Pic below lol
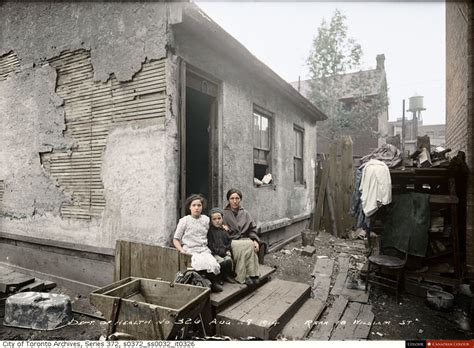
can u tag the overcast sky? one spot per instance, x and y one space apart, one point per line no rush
410 34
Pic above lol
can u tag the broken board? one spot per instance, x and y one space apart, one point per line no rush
264 312
300 325
322 278
355 323
324 329
341 276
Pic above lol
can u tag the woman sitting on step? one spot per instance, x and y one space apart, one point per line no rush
245 242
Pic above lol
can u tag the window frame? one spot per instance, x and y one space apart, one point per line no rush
259 150
298 157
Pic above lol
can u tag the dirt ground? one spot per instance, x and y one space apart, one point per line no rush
408 319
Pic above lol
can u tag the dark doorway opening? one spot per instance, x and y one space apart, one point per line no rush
199 108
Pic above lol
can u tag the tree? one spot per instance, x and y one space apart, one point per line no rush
346 98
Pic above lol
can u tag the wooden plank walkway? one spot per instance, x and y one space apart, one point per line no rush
322 279
324 330
355 323
340 283
264 312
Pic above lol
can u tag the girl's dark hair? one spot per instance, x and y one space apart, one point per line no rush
232 191
192 198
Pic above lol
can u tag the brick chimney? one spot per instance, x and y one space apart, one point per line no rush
380 62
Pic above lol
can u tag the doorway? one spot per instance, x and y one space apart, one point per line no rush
199 135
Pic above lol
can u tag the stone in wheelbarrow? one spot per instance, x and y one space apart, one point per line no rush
38 310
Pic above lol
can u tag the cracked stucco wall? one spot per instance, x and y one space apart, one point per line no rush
32 122
140 195
120 37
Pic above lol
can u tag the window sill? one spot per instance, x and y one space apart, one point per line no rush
301 186
267 186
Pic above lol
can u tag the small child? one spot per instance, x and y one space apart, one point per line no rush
219 242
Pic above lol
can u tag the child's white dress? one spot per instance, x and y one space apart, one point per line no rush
192 233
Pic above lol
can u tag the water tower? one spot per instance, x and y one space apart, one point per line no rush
415 105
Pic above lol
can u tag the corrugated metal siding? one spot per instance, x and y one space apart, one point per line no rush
92 109
8 64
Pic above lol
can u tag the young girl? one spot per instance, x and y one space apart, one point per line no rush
219 242
191 237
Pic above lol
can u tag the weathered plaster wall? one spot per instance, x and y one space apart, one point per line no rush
32 121
242 89
138 192
139 172
120 35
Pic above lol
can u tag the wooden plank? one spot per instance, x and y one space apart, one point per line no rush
323 332
355 295
13 279
318 210
322 279
37 285
341 276
257 315
339 192
347 170
233 291
300 325
122 260
355 323
444 199
331 187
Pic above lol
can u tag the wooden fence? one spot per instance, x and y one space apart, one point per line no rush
334 183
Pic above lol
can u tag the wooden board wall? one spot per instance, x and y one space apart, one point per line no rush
92 109
8 64
148 261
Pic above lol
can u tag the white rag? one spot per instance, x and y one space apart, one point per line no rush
375 186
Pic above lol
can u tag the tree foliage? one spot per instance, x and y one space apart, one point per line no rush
344 96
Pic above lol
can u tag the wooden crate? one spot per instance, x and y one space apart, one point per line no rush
148 309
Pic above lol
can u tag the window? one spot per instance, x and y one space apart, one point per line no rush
261 143
298 155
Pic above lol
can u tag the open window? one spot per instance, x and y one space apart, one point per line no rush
262 143
298 135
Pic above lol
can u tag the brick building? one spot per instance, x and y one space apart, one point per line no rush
459 109
376 84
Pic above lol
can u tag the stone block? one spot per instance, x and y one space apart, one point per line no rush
308 251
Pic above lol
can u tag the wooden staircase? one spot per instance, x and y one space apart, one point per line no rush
276 307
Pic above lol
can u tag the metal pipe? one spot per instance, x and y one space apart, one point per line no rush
403 129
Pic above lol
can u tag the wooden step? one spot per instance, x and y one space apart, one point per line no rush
302 322
263 313
234 292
